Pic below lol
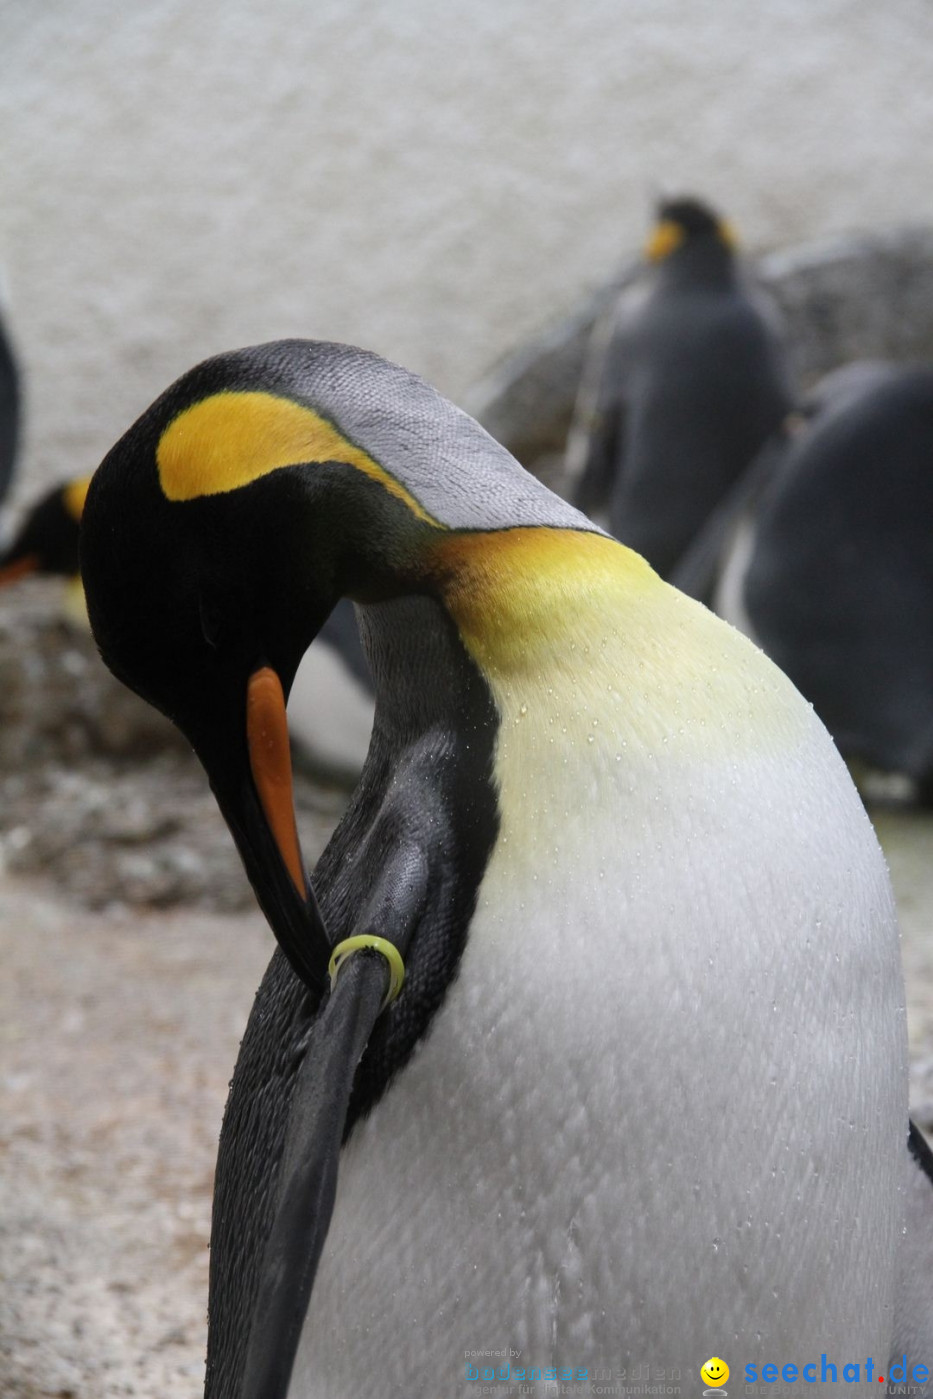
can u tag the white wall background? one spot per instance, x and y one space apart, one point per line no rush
434 181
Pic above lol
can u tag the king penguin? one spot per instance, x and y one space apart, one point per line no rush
832 573
331 704
586 1045
713 567
684 381
47 539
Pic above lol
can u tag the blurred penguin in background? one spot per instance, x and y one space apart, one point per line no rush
684 382
46 540
9 411
713 568
832 571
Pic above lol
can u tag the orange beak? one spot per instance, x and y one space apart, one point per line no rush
271 766
20 568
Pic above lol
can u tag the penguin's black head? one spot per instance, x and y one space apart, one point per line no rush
218 535
189 596
685 221
47 540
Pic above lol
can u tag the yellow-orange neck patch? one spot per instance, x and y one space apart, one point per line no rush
231 439
74 496
519 595
583 647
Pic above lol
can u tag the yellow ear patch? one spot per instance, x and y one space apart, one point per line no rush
74 496
665 239
231 439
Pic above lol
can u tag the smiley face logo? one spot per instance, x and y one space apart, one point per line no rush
715 1372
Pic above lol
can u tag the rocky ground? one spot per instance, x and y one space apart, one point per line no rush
119 1031
131 952
97 791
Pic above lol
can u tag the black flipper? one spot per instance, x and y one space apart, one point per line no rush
602 462
308 1174
698 568
596 439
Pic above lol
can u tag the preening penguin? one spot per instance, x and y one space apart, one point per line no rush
684 382
643 1088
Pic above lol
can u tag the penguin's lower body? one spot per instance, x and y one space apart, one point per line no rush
662 1112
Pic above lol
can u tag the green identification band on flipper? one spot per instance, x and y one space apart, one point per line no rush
346 949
